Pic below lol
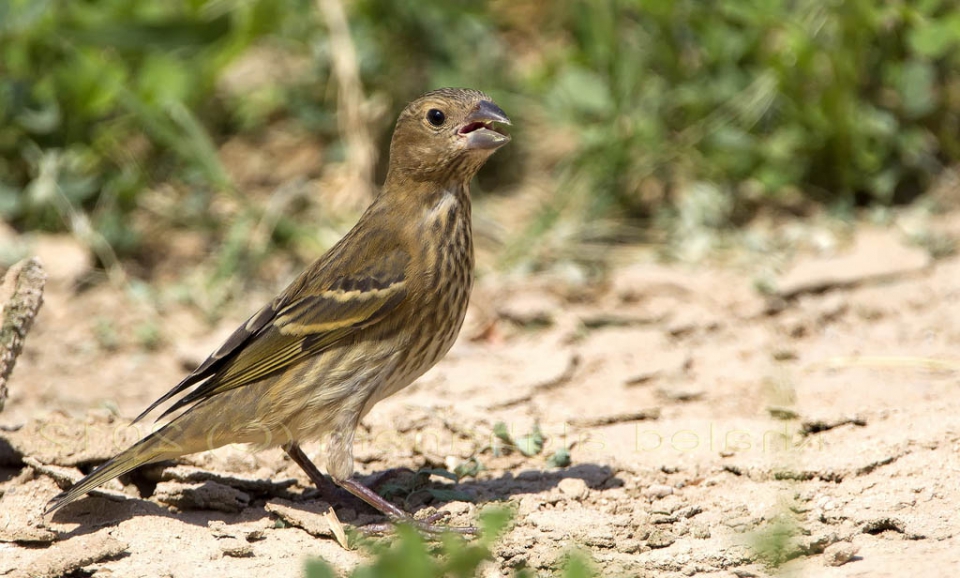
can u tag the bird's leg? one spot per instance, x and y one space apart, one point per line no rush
392 512
327 491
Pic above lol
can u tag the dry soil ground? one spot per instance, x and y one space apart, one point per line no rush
714 430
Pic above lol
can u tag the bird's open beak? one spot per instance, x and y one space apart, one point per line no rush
480 130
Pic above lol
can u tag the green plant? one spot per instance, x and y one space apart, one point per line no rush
845 103
621 107
410 556
97 99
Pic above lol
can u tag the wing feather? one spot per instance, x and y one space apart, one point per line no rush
309 317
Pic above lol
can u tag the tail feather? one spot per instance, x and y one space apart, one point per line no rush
205 426
148 450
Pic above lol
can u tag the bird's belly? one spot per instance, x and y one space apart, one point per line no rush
426 348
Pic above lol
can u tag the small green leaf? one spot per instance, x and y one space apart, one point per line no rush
317 568
439 472
577 566
580 91
501 433
936 37
560 458
10 201
469 467
917 88
463 560
162 79
532 443
493 521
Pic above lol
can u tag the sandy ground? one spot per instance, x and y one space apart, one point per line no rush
713 430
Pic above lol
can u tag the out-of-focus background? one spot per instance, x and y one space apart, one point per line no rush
734 217
257 127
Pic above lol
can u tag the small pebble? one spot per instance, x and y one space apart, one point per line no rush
528 505
658 491
573 487
458 508
235 548
839 553
660 539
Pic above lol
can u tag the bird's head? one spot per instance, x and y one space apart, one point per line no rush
445 136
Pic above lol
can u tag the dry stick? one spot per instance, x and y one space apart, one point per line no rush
361 152
21 295
652 413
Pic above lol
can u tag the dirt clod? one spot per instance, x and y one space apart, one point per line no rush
69 556
839 553
208 495
573 488
307 516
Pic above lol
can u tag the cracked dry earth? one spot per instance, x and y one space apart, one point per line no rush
713 431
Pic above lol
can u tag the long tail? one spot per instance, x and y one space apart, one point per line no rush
162 444
212 423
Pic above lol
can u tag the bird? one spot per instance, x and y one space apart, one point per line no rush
366 319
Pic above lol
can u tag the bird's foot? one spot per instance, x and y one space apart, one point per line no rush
394 514
427 526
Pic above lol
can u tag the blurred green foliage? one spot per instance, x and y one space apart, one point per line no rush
410 556
622 103
842 100
98 98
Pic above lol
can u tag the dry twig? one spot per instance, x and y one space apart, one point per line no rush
21 295
361 151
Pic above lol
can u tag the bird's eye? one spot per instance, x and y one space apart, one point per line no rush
436 116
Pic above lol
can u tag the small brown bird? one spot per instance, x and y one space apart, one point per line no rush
362 322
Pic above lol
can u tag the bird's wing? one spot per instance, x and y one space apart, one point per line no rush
315 312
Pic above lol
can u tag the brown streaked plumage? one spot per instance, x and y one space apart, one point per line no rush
362 322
